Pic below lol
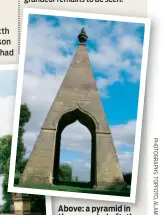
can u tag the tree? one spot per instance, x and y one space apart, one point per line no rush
37 202
22 165
25 115
5 148
127 177
65 172
1 170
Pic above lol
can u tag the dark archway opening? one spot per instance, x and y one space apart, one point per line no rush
87 121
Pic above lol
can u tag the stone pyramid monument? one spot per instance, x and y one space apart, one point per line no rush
77 99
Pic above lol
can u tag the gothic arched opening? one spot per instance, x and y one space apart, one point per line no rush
67 119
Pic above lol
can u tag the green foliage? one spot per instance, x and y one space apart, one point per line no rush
5 149
25 115
17 178
6 207
1 172
22 165
37 203
127 177
65 172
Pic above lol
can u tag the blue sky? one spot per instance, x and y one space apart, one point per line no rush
7 98
7 83
115 52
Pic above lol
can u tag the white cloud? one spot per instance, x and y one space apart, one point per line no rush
81 169
6 114
76 138
39 93
130 43
87 165
110 62
124 134
126 161
45 44
7 82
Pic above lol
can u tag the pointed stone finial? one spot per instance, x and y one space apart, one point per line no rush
82 36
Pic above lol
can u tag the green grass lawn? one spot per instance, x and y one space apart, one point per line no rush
123 192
